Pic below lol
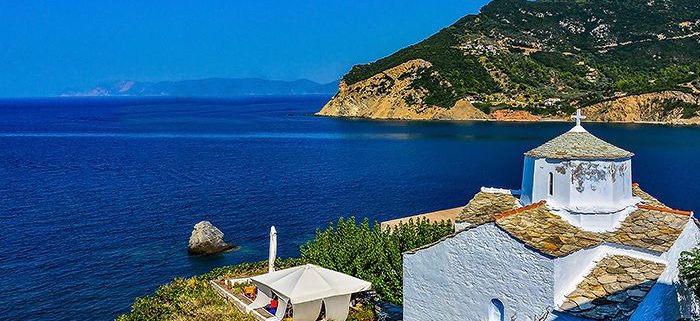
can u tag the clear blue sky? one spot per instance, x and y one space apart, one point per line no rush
49 46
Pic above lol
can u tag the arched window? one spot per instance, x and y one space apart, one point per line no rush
551 184
497 311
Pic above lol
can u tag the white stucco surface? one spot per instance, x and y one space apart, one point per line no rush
527 181
592 195
579 185
498 190
597 222
458 278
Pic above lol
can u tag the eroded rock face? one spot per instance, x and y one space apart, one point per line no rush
391 94
651 107
207 239
513 115
394 94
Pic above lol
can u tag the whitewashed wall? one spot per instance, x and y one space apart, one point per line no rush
607 184
536 182
456 279
661 303
583 186
527 183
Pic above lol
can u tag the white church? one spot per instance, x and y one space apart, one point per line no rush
578 241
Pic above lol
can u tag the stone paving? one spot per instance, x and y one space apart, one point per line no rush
613 289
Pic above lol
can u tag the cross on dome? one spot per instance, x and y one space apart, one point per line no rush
578 116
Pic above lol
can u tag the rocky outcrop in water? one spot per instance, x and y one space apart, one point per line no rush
207 239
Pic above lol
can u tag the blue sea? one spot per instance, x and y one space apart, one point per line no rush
98 196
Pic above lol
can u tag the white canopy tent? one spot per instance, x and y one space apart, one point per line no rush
306 287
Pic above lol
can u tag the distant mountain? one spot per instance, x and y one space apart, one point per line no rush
212 87
540 58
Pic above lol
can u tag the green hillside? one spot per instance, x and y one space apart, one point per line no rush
550 56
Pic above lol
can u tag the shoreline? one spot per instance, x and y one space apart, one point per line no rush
546 120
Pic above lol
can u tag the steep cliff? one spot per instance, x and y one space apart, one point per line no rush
523 60
666 107
392 94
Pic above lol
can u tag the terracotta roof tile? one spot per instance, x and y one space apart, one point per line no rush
664 209
519 210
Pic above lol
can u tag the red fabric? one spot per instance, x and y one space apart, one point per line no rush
273 304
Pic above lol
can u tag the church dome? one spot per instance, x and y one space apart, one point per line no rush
578 144
580 174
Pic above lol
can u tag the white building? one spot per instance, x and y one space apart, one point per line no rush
579 241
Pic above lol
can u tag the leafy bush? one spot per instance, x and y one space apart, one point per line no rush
362 313
689 109
464 73
369 253
488 108
689 264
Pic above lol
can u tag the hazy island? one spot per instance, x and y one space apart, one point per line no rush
210 87
623 61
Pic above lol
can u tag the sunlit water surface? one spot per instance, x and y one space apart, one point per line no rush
98 196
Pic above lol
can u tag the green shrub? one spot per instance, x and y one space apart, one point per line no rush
369 253
363 313
689 109
689 265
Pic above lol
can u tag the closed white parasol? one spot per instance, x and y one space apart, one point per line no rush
273 250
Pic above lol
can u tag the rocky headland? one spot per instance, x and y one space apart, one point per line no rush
392 94
520 60
667 107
